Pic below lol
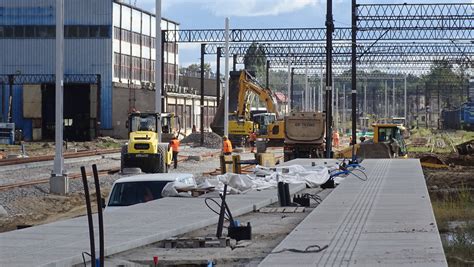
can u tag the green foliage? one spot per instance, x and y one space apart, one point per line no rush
196 68
255 60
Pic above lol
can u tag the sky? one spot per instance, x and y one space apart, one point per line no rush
210 14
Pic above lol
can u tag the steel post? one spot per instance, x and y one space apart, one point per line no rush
218 75
354 74
203 52
329 36
158 64
226 91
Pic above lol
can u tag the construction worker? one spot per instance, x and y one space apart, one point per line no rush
226 146
174 143
335 138
252 139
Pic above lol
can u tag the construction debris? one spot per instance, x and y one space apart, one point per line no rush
211 140
466 148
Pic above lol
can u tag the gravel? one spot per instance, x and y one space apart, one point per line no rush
9 198
211 140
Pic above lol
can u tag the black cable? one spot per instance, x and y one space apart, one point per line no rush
314 197
361 178
308 249
84 259
226 215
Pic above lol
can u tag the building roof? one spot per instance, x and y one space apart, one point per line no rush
281 98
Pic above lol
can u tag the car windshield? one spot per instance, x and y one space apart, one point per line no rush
126 194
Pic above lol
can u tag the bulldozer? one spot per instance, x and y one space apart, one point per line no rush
143 150
388 142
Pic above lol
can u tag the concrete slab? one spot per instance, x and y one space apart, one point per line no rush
61 243
386 220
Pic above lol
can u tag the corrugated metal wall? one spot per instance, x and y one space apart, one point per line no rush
82 56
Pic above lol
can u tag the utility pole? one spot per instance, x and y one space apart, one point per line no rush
354 77
329 32
59 183
203 52
218 75
226 91
158 65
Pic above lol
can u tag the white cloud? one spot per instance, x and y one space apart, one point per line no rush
238 8
253 8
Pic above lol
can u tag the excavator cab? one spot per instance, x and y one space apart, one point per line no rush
393 135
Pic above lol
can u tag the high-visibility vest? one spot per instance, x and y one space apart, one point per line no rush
175 145
227 146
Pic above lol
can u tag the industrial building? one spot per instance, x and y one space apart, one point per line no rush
109 68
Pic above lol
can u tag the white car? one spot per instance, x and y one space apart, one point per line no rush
143 188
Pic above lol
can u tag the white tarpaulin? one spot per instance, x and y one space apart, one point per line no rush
264 178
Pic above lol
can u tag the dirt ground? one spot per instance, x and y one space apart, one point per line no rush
47 209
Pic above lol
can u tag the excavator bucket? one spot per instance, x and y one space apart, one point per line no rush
374 151
433 161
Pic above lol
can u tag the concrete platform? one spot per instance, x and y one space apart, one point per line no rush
384 221
61 243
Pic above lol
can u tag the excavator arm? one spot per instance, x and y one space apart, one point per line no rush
246 85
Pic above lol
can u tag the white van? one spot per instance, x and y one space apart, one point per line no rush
143 188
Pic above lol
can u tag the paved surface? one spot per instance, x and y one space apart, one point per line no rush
384 221
61 243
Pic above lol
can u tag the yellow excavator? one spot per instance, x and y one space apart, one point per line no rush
266 125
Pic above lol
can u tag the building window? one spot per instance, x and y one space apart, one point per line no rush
49 31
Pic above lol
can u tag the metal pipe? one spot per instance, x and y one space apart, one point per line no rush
226 91
203 52
344 107
158 64
292 88
234 63
386 99
321 86
89 215
405 100
58 169
306 90
218 75
393 99
267 74
290 80
99 213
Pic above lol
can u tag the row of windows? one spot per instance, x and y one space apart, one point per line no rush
49 31
140 69
141 39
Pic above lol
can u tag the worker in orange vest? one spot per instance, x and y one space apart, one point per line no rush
335 138
252 139
227 146
174 143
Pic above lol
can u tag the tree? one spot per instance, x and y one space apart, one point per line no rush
195 68
255 60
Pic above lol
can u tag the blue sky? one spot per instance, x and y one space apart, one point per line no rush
205 14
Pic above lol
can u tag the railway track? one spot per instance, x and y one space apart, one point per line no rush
79 154
46 180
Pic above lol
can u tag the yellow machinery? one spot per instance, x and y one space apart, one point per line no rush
143 150
266 125
388 142
170 126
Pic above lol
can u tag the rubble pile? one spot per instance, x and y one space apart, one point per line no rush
211 140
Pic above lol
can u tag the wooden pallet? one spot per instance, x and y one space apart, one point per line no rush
196 242
282 210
